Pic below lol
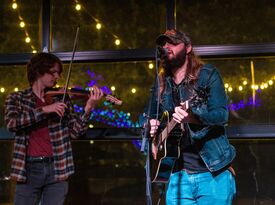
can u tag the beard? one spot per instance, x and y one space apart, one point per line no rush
173 64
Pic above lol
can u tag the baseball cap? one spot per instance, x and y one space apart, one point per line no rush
174 36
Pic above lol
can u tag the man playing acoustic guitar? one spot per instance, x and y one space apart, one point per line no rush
201 173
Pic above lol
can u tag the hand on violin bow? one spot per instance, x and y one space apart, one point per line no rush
58 108
95 95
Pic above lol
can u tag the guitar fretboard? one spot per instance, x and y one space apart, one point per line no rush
170 126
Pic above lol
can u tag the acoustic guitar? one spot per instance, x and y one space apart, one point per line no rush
167 144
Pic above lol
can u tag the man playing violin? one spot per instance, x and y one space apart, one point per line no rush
42 158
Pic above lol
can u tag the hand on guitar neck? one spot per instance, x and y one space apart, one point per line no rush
181 115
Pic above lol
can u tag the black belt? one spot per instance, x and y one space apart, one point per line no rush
39 159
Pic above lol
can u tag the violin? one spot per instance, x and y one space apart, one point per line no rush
76 93
73 92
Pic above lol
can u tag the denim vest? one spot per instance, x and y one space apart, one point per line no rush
210 138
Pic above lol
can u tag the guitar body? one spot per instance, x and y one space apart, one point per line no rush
167 144
168 153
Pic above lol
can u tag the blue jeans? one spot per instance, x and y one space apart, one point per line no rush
200 188
40 186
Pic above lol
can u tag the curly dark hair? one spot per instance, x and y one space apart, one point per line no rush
40 64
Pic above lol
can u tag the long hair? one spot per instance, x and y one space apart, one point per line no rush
40 64
194 64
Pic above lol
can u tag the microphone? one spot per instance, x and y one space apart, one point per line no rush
162 51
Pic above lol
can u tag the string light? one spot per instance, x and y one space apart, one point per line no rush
27 39
117 42
113 88
98 26
151 65
16 89
262 86
14 5
241 104
133 90
2 90
78 7
22 24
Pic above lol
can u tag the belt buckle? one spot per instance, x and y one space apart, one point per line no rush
39 159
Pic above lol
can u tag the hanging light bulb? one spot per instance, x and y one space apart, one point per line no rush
22 24
151 65
262 86
14 5
117 42
133 90
27 39
78 7
113 88
98 26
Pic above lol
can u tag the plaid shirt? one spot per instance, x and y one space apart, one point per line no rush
21 115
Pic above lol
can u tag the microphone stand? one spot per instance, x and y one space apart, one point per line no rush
146 139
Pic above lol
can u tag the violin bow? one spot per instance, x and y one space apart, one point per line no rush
70 66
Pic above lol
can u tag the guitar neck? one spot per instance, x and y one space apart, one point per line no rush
164 134
170 126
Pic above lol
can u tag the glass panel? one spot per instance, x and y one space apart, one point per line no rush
249 105
112 172
19 21
130 77
13 78
134 23
130 81
227 21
